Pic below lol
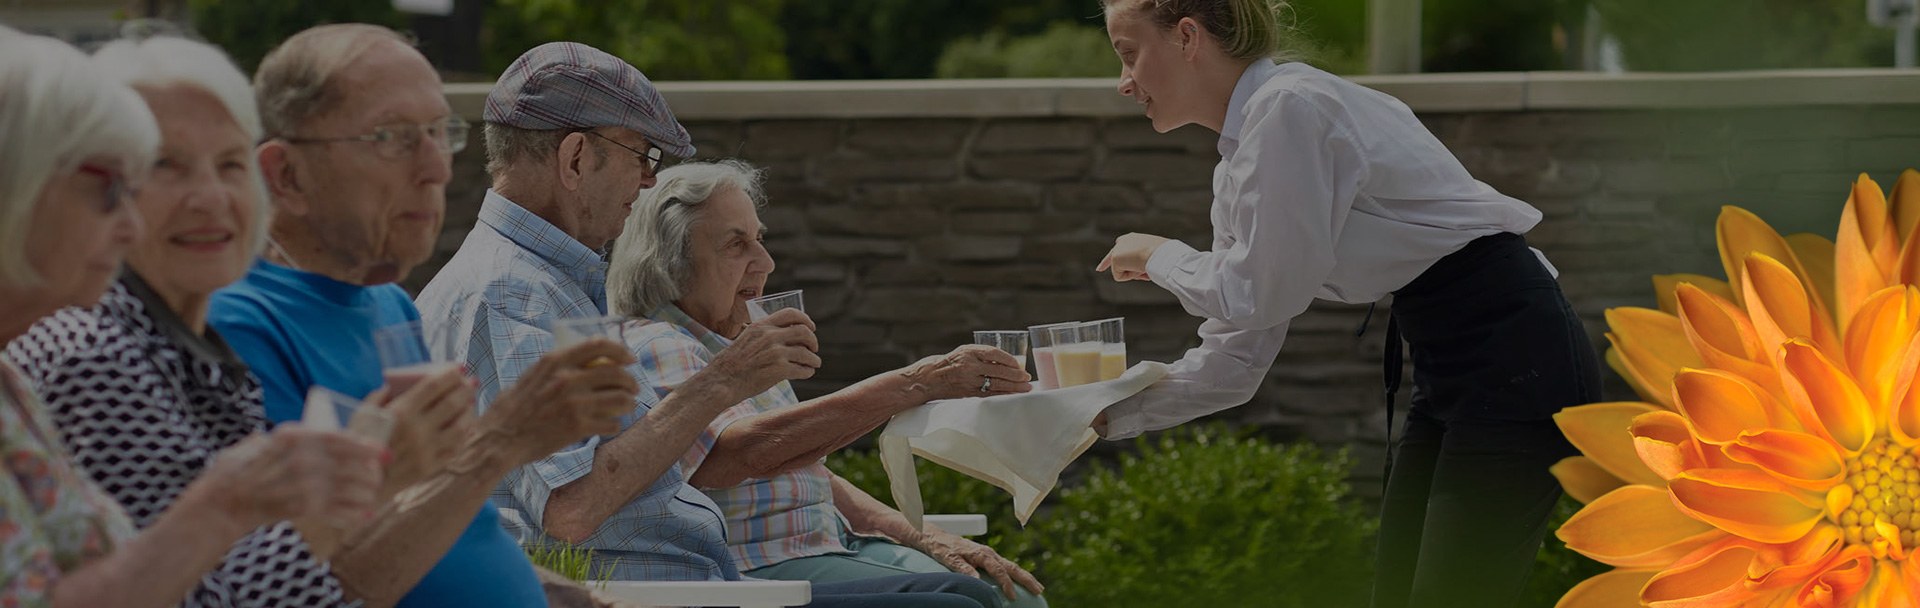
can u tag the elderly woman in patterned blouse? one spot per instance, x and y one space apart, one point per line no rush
71 143
689 259
139 388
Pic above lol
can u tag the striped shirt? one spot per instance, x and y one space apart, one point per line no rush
771 520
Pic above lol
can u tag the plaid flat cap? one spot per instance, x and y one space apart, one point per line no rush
568 85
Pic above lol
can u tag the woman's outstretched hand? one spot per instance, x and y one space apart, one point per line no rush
1128 259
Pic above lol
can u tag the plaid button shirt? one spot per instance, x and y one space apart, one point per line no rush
514 274
771 520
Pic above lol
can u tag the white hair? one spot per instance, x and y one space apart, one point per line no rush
167 61
652 258
57 111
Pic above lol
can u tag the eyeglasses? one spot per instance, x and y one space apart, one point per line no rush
399 141
115 189
649 159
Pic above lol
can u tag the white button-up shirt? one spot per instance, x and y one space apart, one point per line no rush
1324 189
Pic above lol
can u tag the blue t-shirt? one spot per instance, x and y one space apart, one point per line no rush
297 329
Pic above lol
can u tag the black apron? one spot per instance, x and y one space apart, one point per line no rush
1492 338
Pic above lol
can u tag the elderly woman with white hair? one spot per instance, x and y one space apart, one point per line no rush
687 262
72 143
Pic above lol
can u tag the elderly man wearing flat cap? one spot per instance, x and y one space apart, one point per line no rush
573 134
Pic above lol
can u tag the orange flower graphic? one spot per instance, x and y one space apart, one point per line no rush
1775 459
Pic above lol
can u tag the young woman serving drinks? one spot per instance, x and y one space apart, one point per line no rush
1326 189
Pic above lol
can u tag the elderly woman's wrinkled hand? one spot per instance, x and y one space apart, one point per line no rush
432 419
775 349
295 473
562 399
974 559
969 371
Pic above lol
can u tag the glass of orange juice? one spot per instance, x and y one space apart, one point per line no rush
1076 354
1112 334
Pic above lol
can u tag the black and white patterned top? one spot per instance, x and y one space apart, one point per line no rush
142 403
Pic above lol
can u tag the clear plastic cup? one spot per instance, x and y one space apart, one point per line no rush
1076 354
1013 342
405 358
328 410
1112 334
759 308
1041 341
574 330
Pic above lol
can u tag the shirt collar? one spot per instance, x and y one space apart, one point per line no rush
1257 74
207 345
541 238
671 313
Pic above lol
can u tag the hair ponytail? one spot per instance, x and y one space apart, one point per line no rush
1246 29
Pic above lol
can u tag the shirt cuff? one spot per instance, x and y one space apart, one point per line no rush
562 468
1125 420
1160 265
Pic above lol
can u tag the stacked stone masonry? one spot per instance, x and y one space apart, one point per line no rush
909 233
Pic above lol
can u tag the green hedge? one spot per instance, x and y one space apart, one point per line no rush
1196 517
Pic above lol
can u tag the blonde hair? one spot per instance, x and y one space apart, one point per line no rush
163 61
294 82
56 111
652 259
1247 29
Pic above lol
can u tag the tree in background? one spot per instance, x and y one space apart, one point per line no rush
1064 50
247 29
843 39
667 39
1696 35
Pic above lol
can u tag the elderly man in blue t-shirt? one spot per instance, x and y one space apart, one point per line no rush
357 157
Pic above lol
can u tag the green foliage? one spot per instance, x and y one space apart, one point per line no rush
1557 569
1197 517
946 491
905 38
1695 35
1063 50
569 561
667 39
248 29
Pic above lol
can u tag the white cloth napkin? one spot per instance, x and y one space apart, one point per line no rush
1019 443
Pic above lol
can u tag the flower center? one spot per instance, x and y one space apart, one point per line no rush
1883 484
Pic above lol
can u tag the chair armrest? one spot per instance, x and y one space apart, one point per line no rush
743 594
971 524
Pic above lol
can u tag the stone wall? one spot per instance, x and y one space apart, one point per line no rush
907 233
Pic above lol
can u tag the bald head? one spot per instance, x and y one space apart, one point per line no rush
300 79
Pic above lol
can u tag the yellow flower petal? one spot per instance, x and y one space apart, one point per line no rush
1724 338
1653 346
1839 583
1886 589
1801 460
1877 341
1748 504
1715 575
1903 416
1906 203
1828 402
1665 444
1611 589
1664 284
1721 405
1633 377
1866 250
1789 566
1782 309
1740 232
1816 257
1602 431
1635 527
1583 479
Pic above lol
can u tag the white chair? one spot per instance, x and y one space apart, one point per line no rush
751 594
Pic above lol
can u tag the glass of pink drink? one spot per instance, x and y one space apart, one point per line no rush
1046 375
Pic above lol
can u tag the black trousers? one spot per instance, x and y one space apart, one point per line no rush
1496 352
